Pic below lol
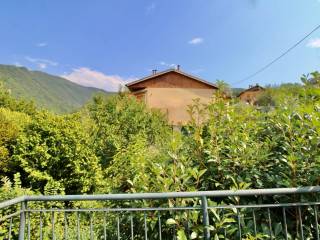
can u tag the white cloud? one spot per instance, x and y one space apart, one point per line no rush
42 44
314 43
17 64
196 41
91 78
198 70
41 63
171 65
150 8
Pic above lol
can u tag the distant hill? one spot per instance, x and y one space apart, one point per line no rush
47 91
237 91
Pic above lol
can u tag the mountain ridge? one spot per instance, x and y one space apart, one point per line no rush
48 91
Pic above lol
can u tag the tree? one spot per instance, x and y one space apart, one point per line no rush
56 150
119 120
311 79
224 88
11 124
7 101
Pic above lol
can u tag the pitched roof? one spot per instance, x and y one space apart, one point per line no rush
168 71
252 88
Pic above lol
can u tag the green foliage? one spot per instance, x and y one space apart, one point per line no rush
11 123
6 101
119 120
263 149
312 79
8 132
266 99
9 189
56 151
118 145
224 87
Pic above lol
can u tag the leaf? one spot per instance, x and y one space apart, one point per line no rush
130 182
202 172
194 172
181 235
214 211
229 220
171 221
278 229
194 235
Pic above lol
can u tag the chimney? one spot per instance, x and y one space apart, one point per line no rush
178 67
154 71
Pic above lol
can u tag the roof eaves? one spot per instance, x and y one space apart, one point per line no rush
246 90
148 77
196 78
171 70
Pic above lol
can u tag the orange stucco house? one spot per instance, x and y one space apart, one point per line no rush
251 94
172 91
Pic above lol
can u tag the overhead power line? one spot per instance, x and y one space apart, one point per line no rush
281 56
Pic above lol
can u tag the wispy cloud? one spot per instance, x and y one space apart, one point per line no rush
41 63
171 65
42 44
150 8
17 64
314 43
196 41
91 78
196 71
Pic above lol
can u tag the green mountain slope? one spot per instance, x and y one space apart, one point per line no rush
237 91
47 91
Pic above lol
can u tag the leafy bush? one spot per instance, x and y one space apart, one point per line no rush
119 145
119 120
57 150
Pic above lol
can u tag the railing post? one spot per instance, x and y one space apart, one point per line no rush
22 220
205 216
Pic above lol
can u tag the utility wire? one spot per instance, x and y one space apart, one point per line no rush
281 56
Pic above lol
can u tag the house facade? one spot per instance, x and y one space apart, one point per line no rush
171 92
251 94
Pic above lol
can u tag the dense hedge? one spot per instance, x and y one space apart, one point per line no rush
117 145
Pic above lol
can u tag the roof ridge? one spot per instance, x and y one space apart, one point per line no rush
171 70
250 88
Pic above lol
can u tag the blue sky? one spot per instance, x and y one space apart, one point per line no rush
103 43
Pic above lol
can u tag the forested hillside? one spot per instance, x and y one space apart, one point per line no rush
116 145
47 91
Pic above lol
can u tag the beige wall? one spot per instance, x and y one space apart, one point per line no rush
250 96
174 101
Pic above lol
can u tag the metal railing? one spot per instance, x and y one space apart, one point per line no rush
283 213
